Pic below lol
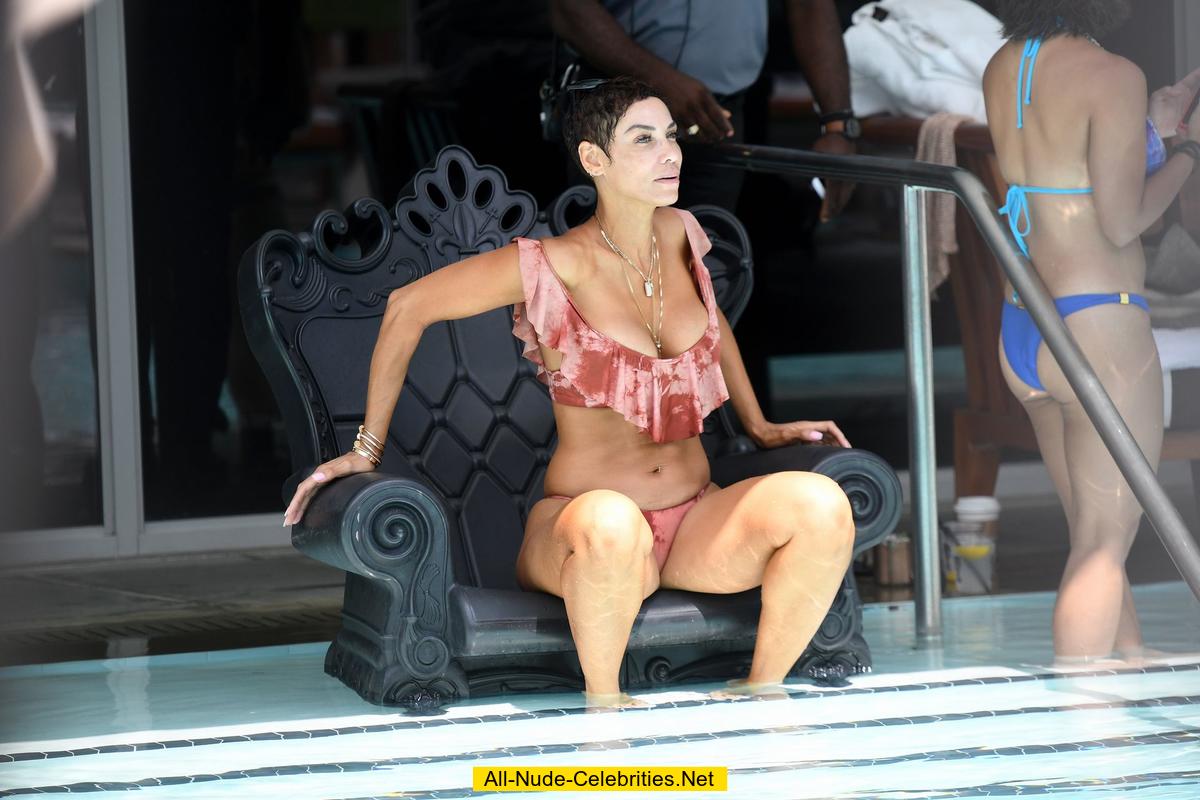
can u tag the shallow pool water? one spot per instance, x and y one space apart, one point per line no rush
980 716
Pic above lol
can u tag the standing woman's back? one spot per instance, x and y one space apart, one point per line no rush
1061 135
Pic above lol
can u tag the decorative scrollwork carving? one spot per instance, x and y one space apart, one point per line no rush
569 207
363 238
524 678
443 214
406 270
658 670
422 657
422 699
832 669
326 444
863 494
288 274
429 591
730 261
840 623
399 528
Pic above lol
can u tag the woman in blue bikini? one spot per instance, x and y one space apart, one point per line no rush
1089 173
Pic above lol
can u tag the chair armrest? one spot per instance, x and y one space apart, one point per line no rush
868 481
372 523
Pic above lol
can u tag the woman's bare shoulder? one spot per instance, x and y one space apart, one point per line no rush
1099 74
669 223
567 253
997 66
1112 87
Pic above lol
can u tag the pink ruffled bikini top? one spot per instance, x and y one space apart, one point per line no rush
666 398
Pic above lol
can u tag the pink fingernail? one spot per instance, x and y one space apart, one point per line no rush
319 476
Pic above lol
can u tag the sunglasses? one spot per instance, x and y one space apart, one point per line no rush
583 86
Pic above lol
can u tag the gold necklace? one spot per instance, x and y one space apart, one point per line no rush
648 284
647 280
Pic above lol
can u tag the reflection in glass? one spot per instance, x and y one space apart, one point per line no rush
49 440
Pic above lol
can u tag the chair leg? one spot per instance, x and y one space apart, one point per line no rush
838 649
976 466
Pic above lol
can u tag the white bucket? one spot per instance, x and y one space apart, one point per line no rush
981 509
971 556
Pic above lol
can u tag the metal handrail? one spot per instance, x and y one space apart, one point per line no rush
917 177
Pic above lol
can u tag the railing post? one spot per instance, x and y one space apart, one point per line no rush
918 343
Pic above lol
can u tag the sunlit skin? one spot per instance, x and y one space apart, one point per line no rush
1086 127
790 532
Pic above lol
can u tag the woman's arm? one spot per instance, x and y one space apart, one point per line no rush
741 394
471 286
1127 202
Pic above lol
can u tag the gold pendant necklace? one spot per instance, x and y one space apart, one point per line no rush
647 284
647 279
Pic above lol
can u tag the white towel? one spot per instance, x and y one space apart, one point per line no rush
922 57
1177 349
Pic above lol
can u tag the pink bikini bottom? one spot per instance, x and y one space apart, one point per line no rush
664 523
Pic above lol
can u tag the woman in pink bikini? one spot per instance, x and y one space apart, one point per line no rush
620 317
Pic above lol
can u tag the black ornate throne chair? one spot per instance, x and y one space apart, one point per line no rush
432 612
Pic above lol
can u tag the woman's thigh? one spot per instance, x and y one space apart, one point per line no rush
539 561
725 540
1046 415
1118 344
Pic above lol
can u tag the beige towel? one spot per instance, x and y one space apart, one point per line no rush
935 144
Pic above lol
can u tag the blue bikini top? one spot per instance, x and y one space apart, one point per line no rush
1016 206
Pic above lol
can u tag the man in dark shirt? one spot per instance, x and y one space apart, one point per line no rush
702 55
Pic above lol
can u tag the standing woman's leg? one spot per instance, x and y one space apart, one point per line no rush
1094 612
1049 428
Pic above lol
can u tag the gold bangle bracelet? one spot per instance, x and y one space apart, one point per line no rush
365 454
370 438
372 446
369 442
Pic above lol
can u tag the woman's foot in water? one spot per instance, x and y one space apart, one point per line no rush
741 688
1109 661
611 701
1142 656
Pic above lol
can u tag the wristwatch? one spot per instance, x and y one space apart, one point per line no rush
843 123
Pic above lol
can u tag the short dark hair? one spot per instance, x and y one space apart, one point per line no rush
591 114
1029 19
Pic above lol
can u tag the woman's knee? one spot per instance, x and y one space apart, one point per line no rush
1101 546
605 522
1107 527
806 502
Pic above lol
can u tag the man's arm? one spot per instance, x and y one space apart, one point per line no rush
601 40
821 53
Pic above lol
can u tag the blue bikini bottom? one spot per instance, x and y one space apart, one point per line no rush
1021 338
